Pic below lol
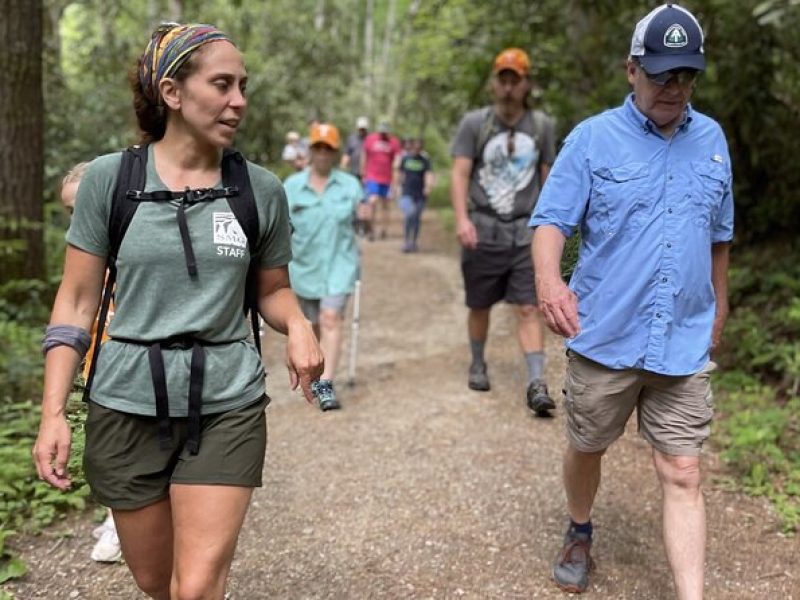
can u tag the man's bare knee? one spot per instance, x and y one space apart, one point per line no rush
584 457
678 471
527 312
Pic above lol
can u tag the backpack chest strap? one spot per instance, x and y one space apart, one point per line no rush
188 197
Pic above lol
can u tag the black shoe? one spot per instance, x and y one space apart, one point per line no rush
478 378
539 401
574 562
326 397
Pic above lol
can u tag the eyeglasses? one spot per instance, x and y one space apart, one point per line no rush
683 77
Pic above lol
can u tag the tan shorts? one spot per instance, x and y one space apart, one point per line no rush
674 413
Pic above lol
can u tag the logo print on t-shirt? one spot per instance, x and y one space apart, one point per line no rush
502 176
227 230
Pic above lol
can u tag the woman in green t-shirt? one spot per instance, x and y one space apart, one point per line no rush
178 474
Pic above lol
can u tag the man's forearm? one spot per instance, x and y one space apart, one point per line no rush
547 247
458 192
720 259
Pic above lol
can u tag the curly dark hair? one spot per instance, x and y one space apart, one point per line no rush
152 117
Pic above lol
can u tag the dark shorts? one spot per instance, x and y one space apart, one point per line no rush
126 469
492 275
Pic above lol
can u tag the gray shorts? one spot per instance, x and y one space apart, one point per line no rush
312 306
673 413
495 274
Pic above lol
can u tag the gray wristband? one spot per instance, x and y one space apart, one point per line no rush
66 335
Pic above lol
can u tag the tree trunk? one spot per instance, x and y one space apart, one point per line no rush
384 71
176 10
369 74
21 147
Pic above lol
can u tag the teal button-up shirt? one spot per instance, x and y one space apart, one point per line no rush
325 253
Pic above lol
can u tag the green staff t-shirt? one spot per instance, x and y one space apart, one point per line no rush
156 298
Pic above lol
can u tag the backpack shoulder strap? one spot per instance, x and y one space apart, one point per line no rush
485 132
540 122
243 203
243 206
132 175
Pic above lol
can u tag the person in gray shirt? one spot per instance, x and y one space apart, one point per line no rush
501 156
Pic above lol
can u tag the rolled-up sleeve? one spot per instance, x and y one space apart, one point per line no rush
566 192
723 221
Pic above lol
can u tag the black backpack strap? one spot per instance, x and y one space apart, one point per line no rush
132 175
243 205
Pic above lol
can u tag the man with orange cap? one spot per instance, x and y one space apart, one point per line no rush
501 156
325 256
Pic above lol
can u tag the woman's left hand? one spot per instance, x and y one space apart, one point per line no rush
304 357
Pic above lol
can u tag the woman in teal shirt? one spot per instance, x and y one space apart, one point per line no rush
325 263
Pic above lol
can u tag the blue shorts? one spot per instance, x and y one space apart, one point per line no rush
373 188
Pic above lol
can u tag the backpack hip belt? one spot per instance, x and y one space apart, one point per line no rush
158 374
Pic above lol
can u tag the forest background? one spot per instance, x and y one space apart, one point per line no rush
421 64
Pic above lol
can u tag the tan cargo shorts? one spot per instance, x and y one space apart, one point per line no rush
673 412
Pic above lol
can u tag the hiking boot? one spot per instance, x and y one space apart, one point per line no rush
478 378
539 401
326 397
573 563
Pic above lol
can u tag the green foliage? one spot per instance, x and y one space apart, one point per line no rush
21 363
760 439
762 334
25 501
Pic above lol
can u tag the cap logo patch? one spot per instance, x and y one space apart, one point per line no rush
675 37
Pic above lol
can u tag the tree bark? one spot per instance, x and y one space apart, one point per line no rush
21 145
369 72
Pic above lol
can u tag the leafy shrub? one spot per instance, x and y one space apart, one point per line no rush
760 441
21 362
764 325
25 501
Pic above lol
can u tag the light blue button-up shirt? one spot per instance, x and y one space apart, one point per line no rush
325 256
648 208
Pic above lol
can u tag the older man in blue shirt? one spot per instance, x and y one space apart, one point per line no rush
648 185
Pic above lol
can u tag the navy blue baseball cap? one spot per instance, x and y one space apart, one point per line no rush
668 38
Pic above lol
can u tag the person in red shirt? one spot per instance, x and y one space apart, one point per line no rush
381 155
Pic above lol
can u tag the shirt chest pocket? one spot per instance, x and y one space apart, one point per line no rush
619 196
709 185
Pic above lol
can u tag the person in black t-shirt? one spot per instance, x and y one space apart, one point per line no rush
416 177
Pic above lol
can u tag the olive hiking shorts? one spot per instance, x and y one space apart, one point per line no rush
126 468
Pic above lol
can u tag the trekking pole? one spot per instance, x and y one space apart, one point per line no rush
351 363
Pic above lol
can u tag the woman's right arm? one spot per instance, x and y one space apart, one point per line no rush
76 304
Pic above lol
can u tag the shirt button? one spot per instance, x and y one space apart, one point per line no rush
670 177
664 280
669 245
669 210
658 315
